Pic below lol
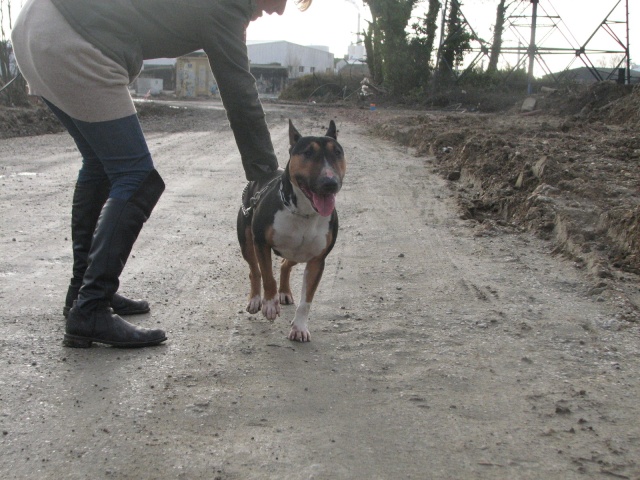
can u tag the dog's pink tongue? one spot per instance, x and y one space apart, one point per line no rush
324 203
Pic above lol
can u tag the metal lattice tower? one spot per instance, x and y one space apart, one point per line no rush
526 19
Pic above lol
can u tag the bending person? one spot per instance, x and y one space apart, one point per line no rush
80 56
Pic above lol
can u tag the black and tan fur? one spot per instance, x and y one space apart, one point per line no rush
295 217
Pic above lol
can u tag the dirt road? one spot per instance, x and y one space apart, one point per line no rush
435 353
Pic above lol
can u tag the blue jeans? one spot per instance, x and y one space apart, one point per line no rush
115 149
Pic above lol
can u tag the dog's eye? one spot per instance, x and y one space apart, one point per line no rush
308 153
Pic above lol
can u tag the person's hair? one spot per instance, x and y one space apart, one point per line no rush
303 4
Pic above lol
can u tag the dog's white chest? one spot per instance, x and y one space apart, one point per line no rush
300 239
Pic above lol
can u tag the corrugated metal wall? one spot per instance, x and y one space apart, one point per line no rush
194 77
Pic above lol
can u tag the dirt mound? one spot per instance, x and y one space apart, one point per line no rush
39 120
572 179
607 102
622 110
21 122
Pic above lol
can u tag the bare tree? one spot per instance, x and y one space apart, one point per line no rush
610 61
14 94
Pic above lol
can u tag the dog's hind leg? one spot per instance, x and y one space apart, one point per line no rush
286 297
310 281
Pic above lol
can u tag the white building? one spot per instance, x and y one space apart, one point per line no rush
357 52
271 63
356 62
297 59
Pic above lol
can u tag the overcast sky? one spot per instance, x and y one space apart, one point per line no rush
334 23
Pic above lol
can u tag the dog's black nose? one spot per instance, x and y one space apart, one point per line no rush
329 184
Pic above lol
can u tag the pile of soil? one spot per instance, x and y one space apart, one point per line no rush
602 101
568 171
22 122
37 119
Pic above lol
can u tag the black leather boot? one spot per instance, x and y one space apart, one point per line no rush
92 319
120 305
103 326
88 200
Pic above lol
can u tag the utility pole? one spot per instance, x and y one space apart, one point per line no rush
532 46
628 47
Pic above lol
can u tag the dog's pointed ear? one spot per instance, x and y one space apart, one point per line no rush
332 132
294 135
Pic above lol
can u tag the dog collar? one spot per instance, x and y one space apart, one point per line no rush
287 204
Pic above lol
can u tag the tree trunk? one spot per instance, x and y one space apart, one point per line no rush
496 46
431 25
368 46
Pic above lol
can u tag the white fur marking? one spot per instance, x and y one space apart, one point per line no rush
297 238
299 329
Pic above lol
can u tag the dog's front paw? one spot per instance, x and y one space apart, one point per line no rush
271 308
286 298
299 333
254 304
